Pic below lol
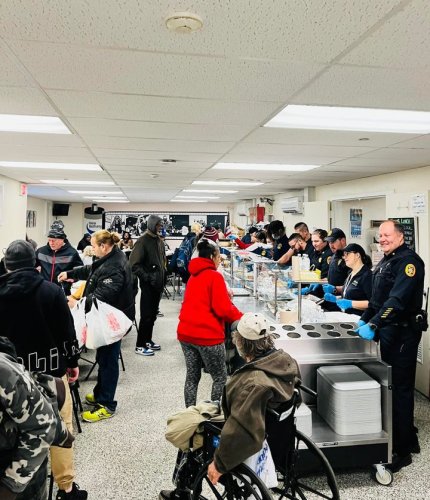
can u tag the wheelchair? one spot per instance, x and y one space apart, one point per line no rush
303 471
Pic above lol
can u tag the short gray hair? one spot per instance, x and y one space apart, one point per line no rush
252 348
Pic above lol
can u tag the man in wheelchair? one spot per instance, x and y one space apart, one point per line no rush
267 380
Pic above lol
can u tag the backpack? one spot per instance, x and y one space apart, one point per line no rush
184 254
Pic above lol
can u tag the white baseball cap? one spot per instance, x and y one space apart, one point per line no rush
253 326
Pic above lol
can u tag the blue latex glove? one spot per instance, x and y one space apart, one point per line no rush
365 332
361 323
232 237
329 288
290 283
306 290
314 287
329 297
344 304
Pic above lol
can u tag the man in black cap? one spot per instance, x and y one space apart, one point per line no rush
57 256
337 270
37 320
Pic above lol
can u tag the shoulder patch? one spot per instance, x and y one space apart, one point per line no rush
328 259
410 270
279 246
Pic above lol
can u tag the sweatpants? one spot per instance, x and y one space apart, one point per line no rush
213 359
149 303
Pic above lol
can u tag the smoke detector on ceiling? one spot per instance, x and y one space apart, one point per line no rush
184 22
154 176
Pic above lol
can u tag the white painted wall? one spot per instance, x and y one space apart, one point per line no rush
42 209
13 213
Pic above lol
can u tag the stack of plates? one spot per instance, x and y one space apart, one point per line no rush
349 400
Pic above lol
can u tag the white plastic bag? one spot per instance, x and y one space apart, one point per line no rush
262 464
105 325
78 314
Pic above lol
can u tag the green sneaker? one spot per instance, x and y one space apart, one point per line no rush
90 399
99 413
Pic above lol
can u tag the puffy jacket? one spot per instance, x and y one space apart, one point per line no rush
110 280
206 305
267 381
37 320
53 263
148 261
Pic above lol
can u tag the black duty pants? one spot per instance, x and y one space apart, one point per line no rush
399 348
149 301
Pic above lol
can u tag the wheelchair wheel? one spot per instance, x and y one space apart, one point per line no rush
310 475
239 484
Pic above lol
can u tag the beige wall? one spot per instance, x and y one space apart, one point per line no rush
12 213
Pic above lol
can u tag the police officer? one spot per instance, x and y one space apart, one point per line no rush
302 229
395 318
322 256
276 233
337 270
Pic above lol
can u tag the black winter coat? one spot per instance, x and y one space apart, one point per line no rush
110 280
35 317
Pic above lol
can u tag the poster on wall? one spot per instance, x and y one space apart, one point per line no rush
176 224
31 218
355 222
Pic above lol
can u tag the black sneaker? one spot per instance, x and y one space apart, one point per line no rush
160 314
153 346
75 494
173 495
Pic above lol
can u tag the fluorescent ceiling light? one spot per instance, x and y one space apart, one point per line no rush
226 183
95 192
52 166
223 191
78 183
189 201
275 167
352 119
32 124
197 197
107 197
111 201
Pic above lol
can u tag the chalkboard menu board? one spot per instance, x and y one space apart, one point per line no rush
409 225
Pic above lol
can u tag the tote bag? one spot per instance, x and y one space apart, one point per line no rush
105 324
78 315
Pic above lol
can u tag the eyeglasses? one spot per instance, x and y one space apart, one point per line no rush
345 254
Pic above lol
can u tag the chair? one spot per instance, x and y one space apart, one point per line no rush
76 402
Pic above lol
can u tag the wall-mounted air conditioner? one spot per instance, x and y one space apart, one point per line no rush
292 205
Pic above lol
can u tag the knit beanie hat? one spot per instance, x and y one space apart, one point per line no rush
19 254
152 221
210 233
57 230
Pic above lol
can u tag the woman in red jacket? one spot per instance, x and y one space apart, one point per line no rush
206 307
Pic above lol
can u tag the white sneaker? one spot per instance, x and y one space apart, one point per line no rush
144 351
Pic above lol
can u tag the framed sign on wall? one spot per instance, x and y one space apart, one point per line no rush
176 224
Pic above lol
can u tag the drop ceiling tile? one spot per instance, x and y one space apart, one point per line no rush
160 109
155 155
286 150
404 31
417 142
117 163
98 141
305 158
10 72
369 87
268 135
231 27
122 128
24 101
402 154
61 66
49 140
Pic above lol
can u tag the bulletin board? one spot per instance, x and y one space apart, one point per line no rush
176 224
410 227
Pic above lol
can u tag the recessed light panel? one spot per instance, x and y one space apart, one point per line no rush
274 167
197 197
32 124
352 119
226 183
95 192
221 191
51 166
61 182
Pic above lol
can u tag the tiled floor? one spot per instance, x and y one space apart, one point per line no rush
127 456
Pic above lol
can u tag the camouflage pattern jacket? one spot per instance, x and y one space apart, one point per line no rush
28 424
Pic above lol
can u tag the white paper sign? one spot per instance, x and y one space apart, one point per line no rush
418 204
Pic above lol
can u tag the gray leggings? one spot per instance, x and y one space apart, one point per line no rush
213 359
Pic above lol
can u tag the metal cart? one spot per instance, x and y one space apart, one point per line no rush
314 345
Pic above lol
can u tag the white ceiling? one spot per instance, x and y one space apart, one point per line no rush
134 93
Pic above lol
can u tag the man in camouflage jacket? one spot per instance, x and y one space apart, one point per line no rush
28 426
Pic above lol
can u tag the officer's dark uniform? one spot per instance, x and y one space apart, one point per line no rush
321 260
309 248
337 269
395 306
280 247
359 287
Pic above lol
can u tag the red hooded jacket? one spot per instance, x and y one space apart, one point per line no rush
206 305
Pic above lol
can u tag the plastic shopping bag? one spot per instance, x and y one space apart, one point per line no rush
105 325
78 314
262 464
